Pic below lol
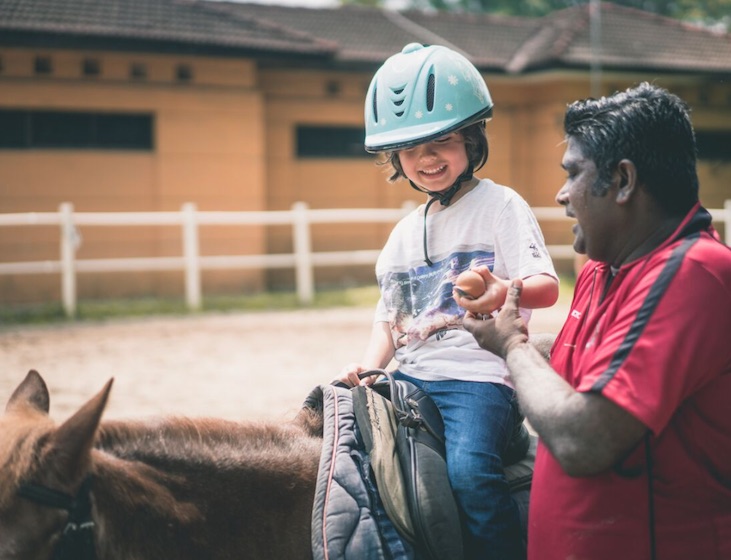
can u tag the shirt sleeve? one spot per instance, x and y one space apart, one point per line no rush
649 365
520 249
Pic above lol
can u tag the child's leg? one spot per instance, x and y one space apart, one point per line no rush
479 420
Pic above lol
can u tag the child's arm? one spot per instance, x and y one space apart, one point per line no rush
540 290
378 355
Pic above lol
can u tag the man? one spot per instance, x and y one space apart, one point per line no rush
634 410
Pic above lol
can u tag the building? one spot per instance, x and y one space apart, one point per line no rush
142 105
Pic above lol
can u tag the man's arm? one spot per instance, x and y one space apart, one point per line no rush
585 432
543 342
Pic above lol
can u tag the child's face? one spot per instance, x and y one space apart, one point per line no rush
436 165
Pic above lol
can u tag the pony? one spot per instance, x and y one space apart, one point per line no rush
182 488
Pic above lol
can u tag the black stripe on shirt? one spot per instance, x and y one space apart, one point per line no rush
646 310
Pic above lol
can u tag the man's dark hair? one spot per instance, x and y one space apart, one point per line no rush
475 141
650 127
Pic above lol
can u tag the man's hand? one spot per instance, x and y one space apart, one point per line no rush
506 330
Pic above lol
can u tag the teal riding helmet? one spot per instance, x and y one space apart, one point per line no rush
420 94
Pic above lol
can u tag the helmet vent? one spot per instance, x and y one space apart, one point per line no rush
430 93
398 91
375 104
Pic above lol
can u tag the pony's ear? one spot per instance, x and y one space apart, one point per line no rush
32 392
71 443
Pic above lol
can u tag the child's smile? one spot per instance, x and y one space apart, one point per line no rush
435 165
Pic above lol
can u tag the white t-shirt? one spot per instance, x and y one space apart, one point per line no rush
490 225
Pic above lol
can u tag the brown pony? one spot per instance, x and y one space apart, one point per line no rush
177 488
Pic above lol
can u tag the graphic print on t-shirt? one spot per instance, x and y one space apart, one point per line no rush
420 302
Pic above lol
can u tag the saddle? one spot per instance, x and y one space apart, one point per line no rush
382 488
403 433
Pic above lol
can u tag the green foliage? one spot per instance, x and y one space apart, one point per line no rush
706 11
369 3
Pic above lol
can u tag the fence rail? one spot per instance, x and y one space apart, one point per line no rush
192 263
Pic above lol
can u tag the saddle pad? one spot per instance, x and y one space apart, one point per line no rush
342 527
403 433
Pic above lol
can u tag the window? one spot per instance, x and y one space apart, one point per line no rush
183 73
330 142
138 71
23 129
91 67
42 65
714 145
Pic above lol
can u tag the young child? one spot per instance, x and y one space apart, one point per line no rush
425 110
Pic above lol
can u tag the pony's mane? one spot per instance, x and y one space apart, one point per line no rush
172 440
149 459
173 487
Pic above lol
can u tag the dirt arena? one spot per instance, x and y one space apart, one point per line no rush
257 366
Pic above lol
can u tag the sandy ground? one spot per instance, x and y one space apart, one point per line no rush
254 366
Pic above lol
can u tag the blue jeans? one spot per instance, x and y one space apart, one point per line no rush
478 422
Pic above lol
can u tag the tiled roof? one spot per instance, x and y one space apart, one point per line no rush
630 39
372 35
488 40
356 35
156 21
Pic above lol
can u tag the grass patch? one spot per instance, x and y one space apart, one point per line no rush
565 289
92 310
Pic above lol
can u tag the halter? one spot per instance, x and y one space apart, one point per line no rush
77 538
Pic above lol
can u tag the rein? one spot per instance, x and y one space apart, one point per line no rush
77 538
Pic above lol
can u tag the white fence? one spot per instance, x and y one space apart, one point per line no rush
191 262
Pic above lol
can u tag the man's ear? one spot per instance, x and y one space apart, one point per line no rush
626 178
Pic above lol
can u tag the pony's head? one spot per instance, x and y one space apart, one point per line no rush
37 454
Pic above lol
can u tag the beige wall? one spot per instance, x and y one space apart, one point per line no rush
208 149
226 141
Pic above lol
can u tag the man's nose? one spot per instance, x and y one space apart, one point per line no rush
562 196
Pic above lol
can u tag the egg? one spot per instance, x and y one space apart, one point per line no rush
470 284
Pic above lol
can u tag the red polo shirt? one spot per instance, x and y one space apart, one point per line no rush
658 344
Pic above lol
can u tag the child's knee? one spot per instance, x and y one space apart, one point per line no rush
472 471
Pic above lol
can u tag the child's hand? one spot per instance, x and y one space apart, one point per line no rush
349 375
496 289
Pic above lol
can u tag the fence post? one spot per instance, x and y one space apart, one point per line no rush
69 244
191 255
304 276
408 205
727 221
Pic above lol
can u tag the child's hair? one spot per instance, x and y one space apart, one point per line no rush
475 141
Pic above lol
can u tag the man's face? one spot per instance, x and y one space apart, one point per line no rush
593 231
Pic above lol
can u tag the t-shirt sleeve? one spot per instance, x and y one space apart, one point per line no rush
520 249
649 365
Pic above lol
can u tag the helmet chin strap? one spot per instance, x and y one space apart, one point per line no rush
444 197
